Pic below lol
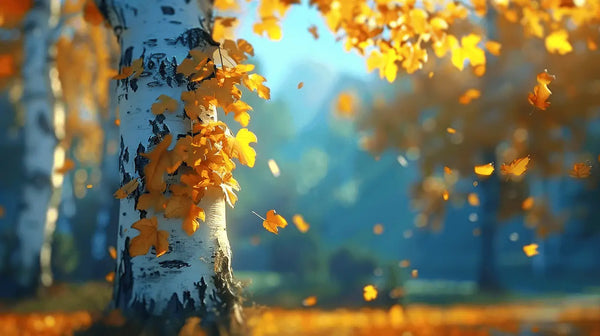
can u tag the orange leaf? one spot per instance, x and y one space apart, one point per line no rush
527 203
270 26
313 31
309 301
580 170
159 162
300 223
531 250
450 130
110 277
135 70
468 96
165 103
273 222
369 293
254 82
126 189
517 167
493 47
346 105
152 200
112 252
377 229
67 166
485 169
91 14
149 236
300 85
473 199
541 92
239 147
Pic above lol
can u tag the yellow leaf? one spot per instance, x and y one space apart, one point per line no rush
149 236
300 223
541 92
377 229
517 167
450 130
239 147
126 189
580 170
240 110
369 293
414 273
346 105
165 103
67 166
468 96
112 252
135 70
531 250
558 43
485 169
445 195
273 222
309 301
254 82
157 167
493 47
473 199
270 26
527 203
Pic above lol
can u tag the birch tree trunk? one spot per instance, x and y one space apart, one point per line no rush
40 142
194 277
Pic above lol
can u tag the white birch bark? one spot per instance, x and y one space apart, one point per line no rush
194 277
40 141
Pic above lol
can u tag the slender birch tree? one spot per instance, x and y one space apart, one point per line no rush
194 275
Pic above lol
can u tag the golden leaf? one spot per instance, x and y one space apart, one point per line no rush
273 222
126 189
369 293
531 250
300 223
165 103
149 236
485 169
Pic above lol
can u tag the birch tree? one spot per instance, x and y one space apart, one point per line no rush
167 53
32 225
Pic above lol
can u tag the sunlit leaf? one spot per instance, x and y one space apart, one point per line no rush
273 222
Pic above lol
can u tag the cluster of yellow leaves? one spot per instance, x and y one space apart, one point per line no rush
203 158
271 12
223 28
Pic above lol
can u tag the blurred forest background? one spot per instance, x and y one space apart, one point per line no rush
382 173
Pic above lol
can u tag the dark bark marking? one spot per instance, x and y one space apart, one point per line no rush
175 22
44 124
133 84
126 155
151 42
173 264
140 161
193 38
124 287
167 10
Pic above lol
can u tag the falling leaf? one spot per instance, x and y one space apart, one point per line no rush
254 82
517 167
110 277
126 189
309 301
117 122
445 195
493 47
313 31
67 166
369 293
430 75
541 92
527 203
484 170
300 85
450 130
447 170
89 186
468 96
149 236
300 223
405 263
473 199
345 106
558 43
165 103
273 222
531 250
414 273
580 170
377 229
273 167
270 27
112 252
